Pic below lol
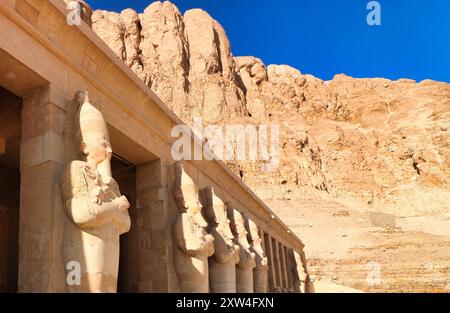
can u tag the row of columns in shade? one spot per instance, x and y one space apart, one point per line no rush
280 260
281 273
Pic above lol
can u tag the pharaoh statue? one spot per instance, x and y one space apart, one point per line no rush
246 264
292 272
302 280
222 265
261 271
193 244
97 214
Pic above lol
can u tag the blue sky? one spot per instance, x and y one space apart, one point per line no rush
327 37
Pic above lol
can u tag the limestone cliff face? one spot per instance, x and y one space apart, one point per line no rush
367 145
380 144
186 60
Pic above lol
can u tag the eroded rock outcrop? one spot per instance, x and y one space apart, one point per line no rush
186 60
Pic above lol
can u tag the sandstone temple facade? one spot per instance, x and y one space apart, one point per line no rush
91 199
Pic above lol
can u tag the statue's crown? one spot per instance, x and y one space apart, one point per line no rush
90 119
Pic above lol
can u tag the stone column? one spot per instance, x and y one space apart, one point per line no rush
193 244
244 269
41 211
150 228
260 272
284 267
302 283
222 264
293 277
270 257
277 265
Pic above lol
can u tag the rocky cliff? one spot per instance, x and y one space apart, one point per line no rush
364 163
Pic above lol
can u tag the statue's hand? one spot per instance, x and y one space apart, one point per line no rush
108 180
123 222
123 203
95 194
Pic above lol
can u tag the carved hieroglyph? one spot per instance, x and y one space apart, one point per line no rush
96 212
261 271
246 264
222 265
193 244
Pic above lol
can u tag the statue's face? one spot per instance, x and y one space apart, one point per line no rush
240 226
97 149
194 208
225 223
193 205
228 228
254 231
201 220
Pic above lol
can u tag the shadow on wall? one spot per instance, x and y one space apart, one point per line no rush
10 142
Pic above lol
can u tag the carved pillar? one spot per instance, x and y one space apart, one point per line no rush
150 228
302 283
293 276
260 272
289 272
283 267
277 265
193 244
42 161
222 264
270 257
244 269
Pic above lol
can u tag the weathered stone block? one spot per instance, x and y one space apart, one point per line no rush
148 262
148 176
147 196
153 216
38 119
35 263
39 201
39 187
27 11
158 239
40 149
